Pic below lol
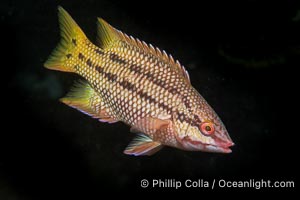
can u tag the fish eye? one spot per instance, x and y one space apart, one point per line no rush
207 128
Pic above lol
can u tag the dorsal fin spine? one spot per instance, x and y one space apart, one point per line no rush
107 35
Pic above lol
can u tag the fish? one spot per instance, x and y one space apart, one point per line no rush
127 80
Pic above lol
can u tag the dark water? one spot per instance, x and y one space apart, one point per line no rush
241 57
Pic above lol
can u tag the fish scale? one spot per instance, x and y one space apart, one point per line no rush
130 81
123 72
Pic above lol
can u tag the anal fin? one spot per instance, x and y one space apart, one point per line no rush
85 99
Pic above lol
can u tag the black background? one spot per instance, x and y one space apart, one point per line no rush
241 56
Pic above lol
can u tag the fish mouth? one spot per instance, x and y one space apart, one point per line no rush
219 148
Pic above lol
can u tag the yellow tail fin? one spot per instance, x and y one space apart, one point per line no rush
71 34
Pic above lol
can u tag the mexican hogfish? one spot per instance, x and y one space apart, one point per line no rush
130 81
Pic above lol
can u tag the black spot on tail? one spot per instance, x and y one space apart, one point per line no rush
89 63
74 41
81 56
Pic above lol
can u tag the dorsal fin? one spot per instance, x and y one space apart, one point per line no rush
107 34
183 71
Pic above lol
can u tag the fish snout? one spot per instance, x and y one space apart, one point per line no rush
224 145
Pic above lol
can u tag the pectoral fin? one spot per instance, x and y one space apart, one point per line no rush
85 99
160 129
142 145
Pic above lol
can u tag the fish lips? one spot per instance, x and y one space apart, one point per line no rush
218 147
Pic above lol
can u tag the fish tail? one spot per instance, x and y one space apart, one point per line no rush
71 36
